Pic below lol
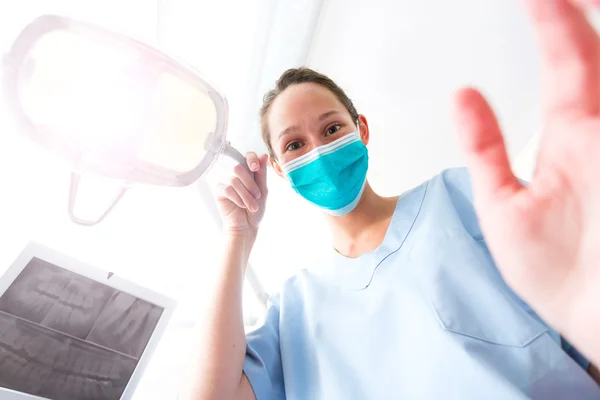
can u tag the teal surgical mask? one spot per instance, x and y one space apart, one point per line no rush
332 176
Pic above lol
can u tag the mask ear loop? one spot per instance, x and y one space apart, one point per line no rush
73 188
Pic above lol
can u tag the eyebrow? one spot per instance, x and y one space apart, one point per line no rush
294 128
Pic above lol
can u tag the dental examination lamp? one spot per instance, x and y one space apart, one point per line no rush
114 107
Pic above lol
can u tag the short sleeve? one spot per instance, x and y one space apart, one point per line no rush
575 354
262 365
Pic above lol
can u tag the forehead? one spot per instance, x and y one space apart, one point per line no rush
301 103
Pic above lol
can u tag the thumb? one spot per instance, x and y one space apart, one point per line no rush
481 140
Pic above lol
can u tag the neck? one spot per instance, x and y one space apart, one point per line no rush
363 229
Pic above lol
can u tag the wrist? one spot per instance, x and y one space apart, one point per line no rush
240 241
243 235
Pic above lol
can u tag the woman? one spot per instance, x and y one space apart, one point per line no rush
412 305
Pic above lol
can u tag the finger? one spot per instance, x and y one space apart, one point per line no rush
482 142
253 162
248 200
230 194
586 3
570 52
260 176
246 178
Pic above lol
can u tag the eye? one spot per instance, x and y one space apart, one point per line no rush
333 129
293 146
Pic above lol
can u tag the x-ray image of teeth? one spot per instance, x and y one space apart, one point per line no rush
64 336
124 323
78 307
33 294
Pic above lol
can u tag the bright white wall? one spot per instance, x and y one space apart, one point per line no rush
137 17
401 60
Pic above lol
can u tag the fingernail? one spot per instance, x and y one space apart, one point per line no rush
254 166
257 195
253 208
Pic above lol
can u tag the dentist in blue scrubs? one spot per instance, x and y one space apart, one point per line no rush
470 286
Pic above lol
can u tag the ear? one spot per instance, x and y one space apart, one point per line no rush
363 126
276 167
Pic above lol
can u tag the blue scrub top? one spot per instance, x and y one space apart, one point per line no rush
424 316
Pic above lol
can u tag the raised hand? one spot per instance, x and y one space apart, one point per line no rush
545 237
242 198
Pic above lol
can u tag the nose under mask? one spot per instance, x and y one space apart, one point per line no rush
332 176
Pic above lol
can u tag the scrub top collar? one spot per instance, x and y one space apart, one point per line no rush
358 273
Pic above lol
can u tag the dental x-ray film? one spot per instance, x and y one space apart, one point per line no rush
65 336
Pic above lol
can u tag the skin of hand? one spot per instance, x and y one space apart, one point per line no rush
545 237
242 198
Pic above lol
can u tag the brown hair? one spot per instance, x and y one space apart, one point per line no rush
295 76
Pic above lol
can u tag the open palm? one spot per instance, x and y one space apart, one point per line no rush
545 237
